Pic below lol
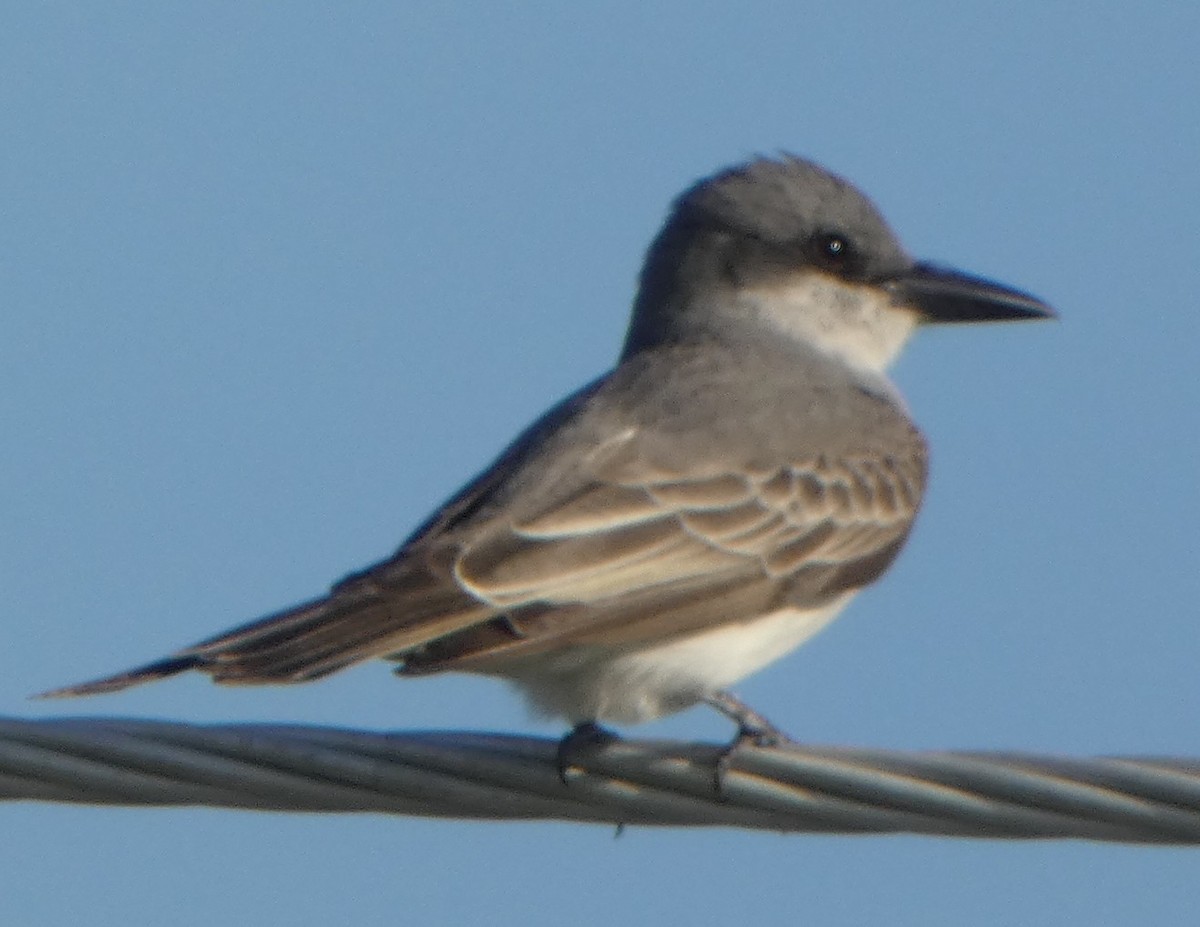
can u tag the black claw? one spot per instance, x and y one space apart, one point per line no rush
582 738
745 737
760 736
753 730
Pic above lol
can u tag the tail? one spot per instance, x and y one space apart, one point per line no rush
134 677
358 621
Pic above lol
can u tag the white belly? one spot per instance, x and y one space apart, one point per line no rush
629 686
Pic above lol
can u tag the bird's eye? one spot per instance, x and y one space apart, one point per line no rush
832 249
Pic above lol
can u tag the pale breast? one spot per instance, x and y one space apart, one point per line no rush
592 683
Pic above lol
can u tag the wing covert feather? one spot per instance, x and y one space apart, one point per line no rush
811 530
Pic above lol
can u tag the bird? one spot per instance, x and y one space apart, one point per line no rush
692 515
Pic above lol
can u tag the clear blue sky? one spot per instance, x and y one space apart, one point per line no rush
276 278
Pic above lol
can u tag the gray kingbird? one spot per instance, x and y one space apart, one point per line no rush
691 516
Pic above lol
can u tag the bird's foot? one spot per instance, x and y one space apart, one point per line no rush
753 731
583 738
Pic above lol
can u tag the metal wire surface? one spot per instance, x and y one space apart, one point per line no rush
491 776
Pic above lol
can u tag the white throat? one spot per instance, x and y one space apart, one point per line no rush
856 322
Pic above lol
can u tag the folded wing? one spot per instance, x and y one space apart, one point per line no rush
608 555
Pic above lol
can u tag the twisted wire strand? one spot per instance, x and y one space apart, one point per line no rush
791 788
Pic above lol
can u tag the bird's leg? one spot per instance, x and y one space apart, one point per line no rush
753 729
587 735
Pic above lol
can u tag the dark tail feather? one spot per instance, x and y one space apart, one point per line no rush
203 656
134 677
314 639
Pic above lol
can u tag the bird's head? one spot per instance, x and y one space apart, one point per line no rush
782 244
